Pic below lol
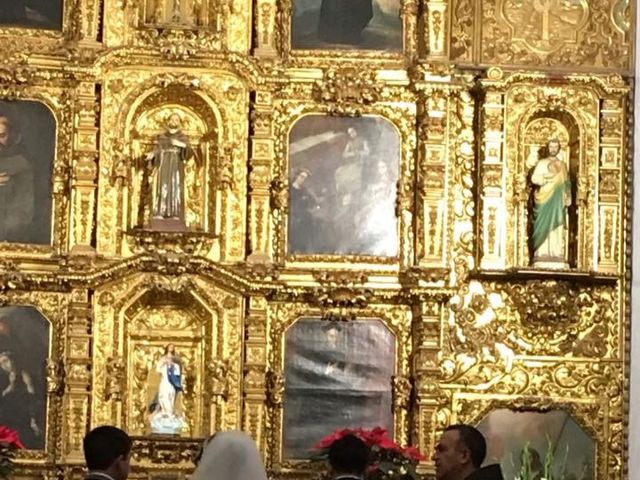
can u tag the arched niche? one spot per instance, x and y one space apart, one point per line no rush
540 128
201 123
336 375
25 346
151 322
525 440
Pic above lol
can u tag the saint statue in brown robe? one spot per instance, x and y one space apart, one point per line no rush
168 158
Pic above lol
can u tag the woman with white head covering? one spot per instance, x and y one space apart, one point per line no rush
230 456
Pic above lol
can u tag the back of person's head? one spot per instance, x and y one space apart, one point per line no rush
349 455
230 456
473 440
108 449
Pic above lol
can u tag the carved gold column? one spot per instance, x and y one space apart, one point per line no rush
492 198
85 170
612 157
259 176
265 28
427 338
432 175
409 13
435 18
78 376
255 366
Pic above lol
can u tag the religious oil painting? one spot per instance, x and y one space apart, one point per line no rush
337 375
347 24
523 442
343 175
24 349
44 14
27 151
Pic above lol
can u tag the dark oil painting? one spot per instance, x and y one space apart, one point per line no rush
27 151
346 24
337 375
24 349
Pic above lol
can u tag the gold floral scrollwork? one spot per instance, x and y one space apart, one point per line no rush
217 371
279 194
115 379
348 86
55 377
402 389
226 167
340 304
275 388
164 452
548 302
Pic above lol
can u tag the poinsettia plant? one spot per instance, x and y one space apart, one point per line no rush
389 461
9 444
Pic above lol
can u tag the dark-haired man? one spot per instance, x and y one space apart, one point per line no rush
107 451
459 455
348 458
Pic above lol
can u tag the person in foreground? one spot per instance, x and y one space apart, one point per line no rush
348 458
107 451
229 456
459 455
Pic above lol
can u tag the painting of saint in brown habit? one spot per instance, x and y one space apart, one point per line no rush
45 14
342 186
24 348
347 24
27 149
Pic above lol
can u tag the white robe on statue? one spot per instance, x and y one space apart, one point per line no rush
166 391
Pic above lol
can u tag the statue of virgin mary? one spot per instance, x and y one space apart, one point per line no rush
164 417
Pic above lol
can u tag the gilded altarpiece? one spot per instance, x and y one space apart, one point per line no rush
439 121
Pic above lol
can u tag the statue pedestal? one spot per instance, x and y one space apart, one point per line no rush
550 264
160 224
165 424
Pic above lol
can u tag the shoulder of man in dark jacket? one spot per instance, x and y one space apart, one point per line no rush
490 472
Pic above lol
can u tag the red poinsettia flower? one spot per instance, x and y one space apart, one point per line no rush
329 439
413 453
385 443
375 436
10 437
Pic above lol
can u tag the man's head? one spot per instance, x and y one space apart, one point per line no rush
174 121
349 456
460 451
332 333
6 361
301 177
108 449
353 133
553 147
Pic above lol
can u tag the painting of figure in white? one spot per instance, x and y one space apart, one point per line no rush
164 416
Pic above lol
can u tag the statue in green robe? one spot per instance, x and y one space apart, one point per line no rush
552 197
